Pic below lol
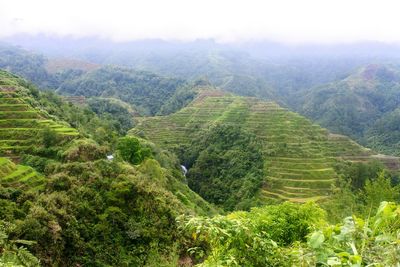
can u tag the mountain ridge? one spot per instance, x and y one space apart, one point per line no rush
359 105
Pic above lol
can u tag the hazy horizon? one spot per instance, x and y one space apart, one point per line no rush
287 22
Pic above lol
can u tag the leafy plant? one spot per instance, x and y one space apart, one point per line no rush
12 252
255 238
374 241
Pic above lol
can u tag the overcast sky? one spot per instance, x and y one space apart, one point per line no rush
292 21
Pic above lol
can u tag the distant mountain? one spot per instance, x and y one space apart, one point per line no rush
269 71
27 64
55 65
279 69
359 105
145 91
330 87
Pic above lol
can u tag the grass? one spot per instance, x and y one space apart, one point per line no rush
298 155
19 176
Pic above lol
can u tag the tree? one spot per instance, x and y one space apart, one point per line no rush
379 190
49 137
130 150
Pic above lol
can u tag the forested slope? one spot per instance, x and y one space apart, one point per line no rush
363 105
143 90
77 207
298 157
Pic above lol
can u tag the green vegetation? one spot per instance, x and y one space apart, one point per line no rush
78 207
19 177
145 91
26 64
113 110
181 98
228 158
130 150
358 195
362 106
384 134
12 253
87 208
64 203
295 235
299 157
23 122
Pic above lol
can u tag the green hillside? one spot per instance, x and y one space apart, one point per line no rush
22 120
143 90
70 200
363 106
25 63
299 156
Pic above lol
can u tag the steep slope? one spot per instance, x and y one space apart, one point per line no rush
359 106
298 156
74 203
21 118
18 176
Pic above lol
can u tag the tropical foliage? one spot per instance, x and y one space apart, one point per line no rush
295 235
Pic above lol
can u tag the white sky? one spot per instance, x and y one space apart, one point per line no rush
290 21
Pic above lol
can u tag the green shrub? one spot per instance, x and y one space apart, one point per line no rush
130 150
84 150
255 238
356 242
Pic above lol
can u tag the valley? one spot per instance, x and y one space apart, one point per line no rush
197 154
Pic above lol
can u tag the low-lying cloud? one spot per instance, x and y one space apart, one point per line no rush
290 21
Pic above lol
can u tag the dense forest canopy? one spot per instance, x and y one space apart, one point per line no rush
360 106
230 159
145 91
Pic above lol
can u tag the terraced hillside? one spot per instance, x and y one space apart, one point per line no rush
19 176
298 155
21 118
